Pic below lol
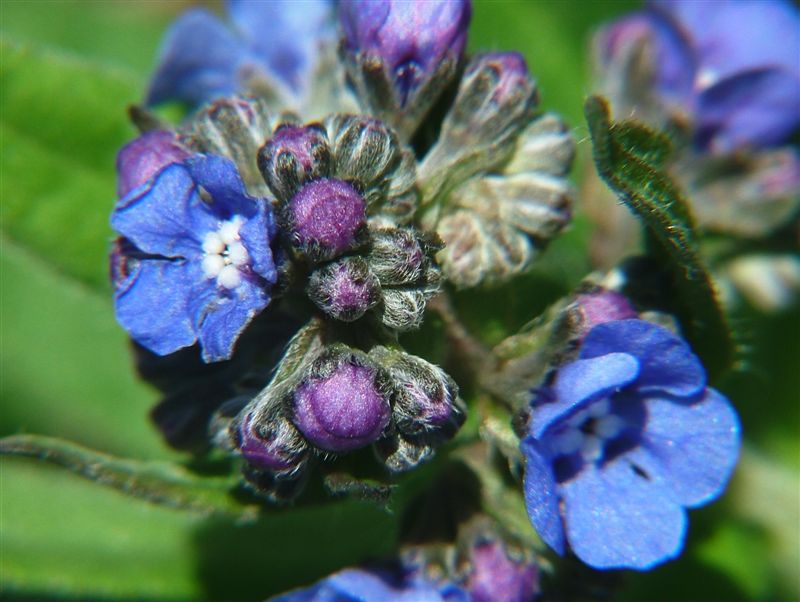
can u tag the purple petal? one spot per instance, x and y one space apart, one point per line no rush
199 61
219 317
285 34
673 58
736 35
141 159
152 306
617 518
166 216
667 363
582 381
690 448
755 108
541 500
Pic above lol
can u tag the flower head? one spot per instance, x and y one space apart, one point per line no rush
203 58
200 266
625 438
730 66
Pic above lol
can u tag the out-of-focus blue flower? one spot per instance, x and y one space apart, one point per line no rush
412 37
360 585
203 58
624 440
731 65
197 259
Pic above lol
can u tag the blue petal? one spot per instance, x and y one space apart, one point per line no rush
617 518
667 363
733 36
690 448
219 176
199 61
219 317
541 500
757 108
285 34
584 381
256 234
357 585
152 306
165 216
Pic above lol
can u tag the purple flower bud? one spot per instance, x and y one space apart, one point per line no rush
397 256
141 159
271 444
294 155
402 54
412 38
601 305
344 289
341 404
496 576
326 218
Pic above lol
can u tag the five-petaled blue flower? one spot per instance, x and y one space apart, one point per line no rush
361 585
731 65
624 439
275 41
197 262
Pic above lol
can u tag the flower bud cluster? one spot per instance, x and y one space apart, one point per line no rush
329 398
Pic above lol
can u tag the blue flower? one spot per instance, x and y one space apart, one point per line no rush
624 439
730 66
361 585
275 41
195 263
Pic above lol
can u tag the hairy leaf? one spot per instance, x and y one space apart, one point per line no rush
630 158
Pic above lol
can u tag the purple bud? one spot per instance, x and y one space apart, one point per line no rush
141 159
495 576
341 405
294 155
271 444
397 256
326 218
599 306
496 82
344 289
411 37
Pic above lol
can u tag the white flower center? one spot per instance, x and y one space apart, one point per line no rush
588 430
224 254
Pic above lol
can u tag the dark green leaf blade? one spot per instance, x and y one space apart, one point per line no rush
630 158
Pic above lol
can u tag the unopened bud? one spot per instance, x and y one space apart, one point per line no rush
294 155
344 289
141 159
341 404
325 218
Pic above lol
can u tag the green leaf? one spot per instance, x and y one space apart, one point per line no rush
62 123
630 158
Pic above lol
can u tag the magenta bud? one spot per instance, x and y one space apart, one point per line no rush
141 159
411 37
497 576
326 218
341 405
344 289
272 444
294 155
598 306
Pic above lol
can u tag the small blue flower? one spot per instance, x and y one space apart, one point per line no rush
626 437
196 264
731 66
203 58
361 585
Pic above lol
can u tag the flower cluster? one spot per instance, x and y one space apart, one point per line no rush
275 246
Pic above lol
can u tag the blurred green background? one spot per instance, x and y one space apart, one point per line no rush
68 72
